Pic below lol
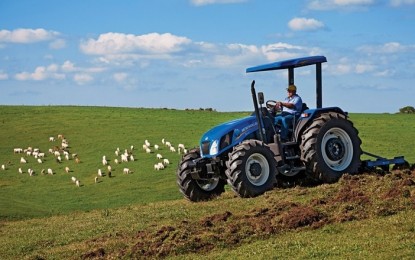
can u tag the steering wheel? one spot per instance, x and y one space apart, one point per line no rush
271 104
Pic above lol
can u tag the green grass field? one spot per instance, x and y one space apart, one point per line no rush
47 216
92 132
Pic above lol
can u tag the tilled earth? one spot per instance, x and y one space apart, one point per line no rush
355 197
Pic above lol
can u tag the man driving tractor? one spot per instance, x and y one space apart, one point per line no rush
291 107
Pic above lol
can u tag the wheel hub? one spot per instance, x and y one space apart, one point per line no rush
334 149
255 169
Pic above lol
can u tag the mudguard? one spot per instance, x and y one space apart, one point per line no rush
310 114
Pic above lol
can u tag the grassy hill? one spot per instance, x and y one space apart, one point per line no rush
143 215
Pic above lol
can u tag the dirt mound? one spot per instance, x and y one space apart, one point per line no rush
352 198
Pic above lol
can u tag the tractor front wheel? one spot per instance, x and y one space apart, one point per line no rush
251 169
197 189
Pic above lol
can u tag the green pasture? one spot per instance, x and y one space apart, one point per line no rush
93 132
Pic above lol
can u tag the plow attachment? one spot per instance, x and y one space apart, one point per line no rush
383 163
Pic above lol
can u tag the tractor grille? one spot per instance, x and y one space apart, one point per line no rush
205 147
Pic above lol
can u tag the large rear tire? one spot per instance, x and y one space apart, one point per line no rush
330 147
251 169
193 189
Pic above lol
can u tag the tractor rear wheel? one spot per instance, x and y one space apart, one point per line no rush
251 169
197 189
330 147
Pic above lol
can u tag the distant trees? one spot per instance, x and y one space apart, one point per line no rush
407 110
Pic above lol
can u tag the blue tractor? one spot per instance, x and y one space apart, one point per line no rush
249 155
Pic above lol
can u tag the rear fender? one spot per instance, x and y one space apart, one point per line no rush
309 114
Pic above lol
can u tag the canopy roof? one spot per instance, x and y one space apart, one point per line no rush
285 64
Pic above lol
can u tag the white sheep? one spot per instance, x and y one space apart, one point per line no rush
160 165
78 183
99 173
156 147
65 145
145 147
148 150
56 153
159 156
41 155
132 158
51 139
59 159
132 147
156 167
124 158
73 179
146 142
67 169
104 161
23 160
109 168
163 141
116 161
3 167
172 149
39 160
31 172
126 171
20 170
117 152
168 144
17 150
166 161
96 179
50 171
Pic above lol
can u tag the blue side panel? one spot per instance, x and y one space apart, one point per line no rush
293 63
235 131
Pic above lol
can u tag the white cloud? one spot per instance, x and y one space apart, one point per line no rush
41 73
397 3
27 35
68 66
305 24
280 51
208 2
82 78
335 4
119 43
120 76
387 48
3 76
58 44
364 68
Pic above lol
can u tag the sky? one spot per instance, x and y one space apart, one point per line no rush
191 54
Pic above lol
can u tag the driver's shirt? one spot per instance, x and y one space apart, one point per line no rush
296 100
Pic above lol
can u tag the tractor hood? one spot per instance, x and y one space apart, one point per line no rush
224 136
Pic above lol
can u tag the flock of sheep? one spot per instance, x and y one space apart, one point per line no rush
61 153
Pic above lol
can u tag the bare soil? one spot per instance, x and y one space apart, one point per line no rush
355 197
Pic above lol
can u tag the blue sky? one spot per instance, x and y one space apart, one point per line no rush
193 53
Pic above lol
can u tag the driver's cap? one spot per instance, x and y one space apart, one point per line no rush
292 88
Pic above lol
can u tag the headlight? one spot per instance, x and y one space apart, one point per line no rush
214 148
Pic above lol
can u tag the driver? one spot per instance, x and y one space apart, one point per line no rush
291 107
